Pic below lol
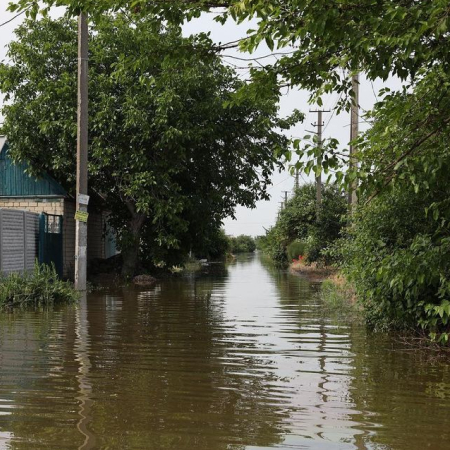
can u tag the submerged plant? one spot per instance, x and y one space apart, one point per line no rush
41 287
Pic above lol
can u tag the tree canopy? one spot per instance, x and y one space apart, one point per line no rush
172 159
324 44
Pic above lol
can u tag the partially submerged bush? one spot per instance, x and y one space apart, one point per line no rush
298 223
398 258
41 287
339 297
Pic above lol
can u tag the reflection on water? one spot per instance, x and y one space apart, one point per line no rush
85 387
238 358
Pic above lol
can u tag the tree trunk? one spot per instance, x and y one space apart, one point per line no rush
130 250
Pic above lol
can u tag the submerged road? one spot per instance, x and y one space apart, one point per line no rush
241 357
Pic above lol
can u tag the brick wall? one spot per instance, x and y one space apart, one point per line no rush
37 205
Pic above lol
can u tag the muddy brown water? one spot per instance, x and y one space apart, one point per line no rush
240 357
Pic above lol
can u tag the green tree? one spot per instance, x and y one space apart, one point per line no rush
325 43
242 244
171 159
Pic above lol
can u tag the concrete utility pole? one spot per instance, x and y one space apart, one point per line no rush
319 126
285 198
82 156
297 183
354 130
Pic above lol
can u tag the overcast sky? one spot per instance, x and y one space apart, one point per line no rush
254 221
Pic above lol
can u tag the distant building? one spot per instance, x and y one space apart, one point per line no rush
20 191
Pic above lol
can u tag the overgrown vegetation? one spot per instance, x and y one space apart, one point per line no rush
396 250
398 258
300 230
296 249
39 288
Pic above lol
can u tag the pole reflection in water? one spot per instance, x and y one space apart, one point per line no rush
81 351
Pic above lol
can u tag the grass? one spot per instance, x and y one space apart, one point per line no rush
39 288
339 298
312 272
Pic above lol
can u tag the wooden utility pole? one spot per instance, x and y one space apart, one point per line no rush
82 156
319 126
354 130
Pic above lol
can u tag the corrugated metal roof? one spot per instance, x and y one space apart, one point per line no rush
15 182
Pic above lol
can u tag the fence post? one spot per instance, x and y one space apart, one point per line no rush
25 268
41 237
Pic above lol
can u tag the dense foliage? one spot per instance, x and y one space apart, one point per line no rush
39 288
398 249
170 157
242 244
299 221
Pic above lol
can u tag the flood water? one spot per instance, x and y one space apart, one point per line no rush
241 357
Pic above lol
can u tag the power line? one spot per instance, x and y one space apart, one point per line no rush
275 185
15 17
270 55
333 111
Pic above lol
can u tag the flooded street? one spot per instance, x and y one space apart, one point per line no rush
241 357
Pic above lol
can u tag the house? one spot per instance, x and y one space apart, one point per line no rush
20 191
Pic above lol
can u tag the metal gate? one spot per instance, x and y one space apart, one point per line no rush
19 235
51 241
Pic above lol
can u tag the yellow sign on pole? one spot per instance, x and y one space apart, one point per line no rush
81 216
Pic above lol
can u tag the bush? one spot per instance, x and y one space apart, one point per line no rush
339 298
41 287
298 225
296 248
399 263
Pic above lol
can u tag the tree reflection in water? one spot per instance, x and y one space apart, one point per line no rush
157 368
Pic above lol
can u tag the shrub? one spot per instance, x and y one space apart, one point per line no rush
339 297
296 248
399 263
41 287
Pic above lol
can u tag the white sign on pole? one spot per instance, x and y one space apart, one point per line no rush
83 199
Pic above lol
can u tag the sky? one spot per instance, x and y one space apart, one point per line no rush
254 221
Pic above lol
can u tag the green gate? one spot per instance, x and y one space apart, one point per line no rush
51 241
